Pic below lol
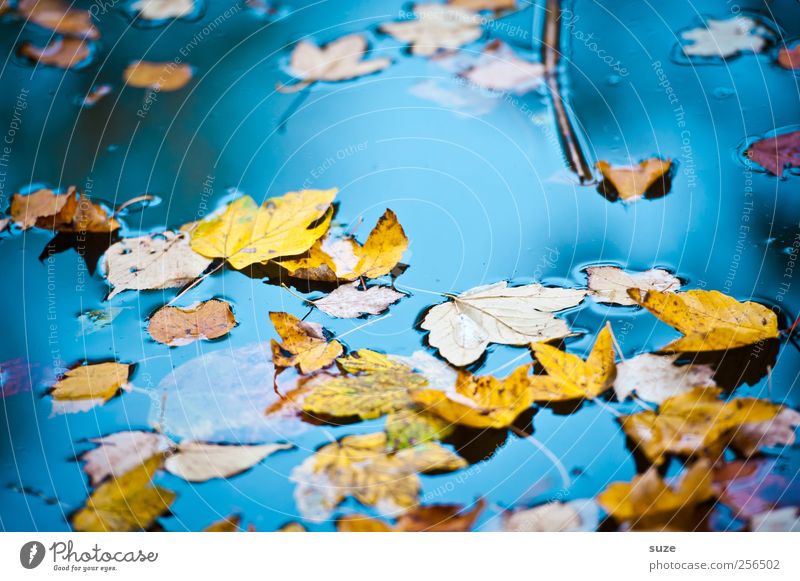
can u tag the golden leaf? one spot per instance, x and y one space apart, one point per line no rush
246 234
176 326
100 381
304 344
125 503
649 503
693 423
166 77
61 212
480 402
229 524
710 320
631 183
62 53
361 467
570 377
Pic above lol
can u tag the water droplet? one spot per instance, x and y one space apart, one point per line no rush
724 92
613 80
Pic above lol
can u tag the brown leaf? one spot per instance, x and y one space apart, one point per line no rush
777 153
44 209
167 76
63 53
631 183
175 326
59 17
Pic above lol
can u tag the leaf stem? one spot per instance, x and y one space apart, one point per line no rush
196 281
562 471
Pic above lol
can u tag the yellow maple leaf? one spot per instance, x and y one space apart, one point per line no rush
98 381
693 423
304 344
332 258
649 503
361 467
125 503
710 320
480 402
245 233
631 183
570 377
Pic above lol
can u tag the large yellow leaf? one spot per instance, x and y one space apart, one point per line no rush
304 344
694 423
246 233
125 503
480 402
361 467
375 385
100 381
343 258
570 377
710 320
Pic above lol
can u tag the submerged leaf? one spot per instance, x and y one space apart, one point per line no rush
119 453
554 517
778 431
609 284
175 326
436 27
777 153
462 328
62 53
408 427
500 69
59 17
631 183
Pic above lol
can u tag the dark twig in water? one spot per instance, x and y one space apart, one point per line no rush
301 97
551 57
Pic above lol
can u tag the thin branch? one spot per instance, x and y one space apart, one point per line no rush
562 471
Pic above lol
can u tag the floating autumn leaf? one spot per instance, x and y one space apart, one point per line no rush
782 520
480 402
125 503
90 385
343 258
710 320
649 503
61 212
435 518
463 327
694 423
349 302
292 527
163 9
409 427
340 60
568 376
632 183
117 454
199 462
789 58
373 386
500 69
360 466
229 524
90 217
553 517
777 153
479 5
610 284
246 233
175 326
155 261
726 38
437 26
168 76
657 377
304 344
59 17
62 53
777 431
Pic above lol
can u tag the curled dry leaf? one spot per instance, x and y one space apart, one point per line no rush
610 284
361 467
694 423
156 261
725 38
304 344
462 328
117 454
782 520
436 27
554 517
778 431
168 76
343 258
61 212
62 53
435 518
777 153
710 320
246 233
99 382
175 326
500 69
657 378
568 376
789 58
348 302
480 402
163 9
60 17
229 524
199 462
649 503
631 183
339 60
125 503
